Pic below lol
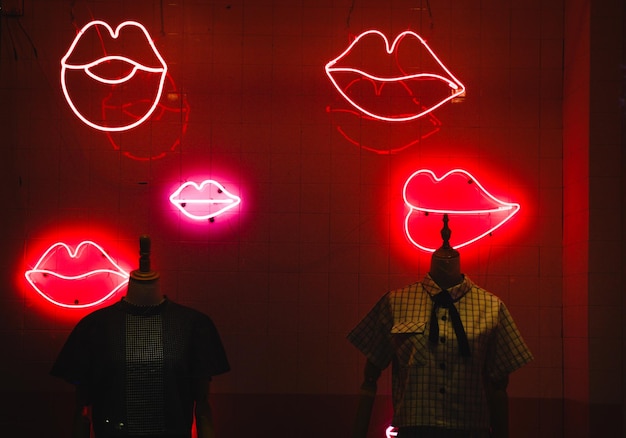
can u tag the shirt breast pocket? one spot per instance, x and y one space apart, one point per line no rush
411 343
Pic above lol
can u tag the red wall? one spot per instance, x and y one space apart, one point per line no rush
593 235
318 238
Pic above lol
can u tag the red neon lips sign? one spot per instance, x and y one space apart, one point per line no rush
474 213
203 201
83 277
383 81
128 68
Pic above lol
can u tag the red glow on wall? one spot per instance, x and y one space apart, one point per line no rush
395 82
126 75
76 277
473 212
203 201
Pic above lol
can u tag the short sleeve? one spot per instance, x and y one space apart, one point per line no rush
372 335
509 351
73 362
209 356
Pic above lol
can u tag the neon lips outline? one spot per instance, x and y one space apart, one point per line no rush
40 269
162 69
190 192
490 204
456 87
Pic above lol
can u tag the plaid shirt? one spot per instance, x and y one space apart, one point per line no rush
433 385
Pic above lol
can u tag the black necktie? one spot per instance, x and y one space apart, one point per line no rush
444 299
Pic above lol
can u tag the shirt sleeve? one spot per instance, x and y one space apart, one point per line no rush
73 362
209 356
509 352
372 335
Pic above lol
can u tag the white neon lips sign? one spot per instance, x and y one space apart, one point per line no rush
382 81
203 201
473 212
127 58
76 278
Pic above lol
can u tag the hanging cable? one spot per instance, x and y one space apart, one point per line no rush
430 14
30 40
349 15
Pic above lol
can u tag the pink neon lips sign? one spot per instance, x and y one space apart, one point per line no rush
473 212
203 201
126 68
395 82
76 278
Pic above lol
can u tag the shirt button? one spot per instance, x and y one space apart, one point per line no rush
444 318
442 339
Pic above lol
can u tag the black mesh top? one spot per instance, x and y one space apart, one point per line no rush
140 365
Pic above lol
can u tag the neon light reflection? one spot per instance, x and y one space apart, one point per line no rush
474 212
203 201
79 278
99 69
168 124
378 140
344 77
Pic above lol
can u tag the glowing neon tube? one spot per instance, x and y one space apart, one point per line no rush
474 212
83 277
344 75
145 75
203 201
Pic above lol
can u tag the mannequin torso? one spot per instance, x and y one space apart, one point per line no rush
144 293
445 268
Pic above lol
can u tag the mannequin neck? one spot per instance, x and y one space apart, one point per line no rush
446 271
144 293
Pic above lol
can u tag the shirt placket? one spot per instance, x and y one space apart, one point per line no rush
445 350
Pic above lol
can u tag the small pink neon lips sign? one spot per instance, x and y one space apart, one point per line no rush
76 278
134 68
473 212
203 201
386 81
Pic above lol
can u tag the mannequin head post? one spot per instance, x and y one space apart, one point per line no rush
143 285
445 267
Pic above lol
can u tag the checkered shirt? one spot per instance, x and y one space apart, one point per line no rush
433 385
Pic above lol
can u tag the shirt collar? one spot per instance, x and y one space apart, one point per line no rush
456 292
136 310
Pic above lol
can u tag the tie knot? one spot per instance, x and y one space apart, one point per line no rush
443 299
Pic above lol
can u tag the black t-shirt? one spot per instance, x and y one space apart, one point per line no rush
139 367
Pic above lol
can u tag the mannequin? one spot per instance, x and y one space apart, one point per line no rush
155 361
144 288
445 271
445 263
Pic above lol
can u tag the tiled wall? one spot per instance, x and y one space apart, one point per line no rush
318 238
